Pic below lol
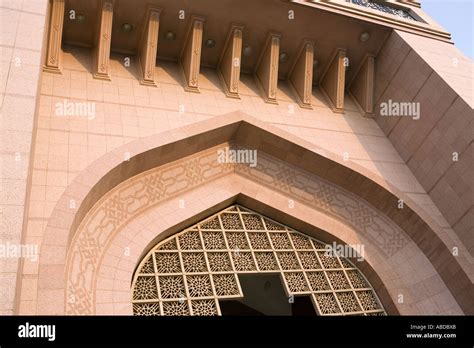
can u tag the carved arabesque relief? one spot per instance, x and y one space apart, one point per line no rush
131 198
202 268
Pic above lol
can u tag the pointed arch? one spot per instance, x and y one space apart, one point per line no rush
374 199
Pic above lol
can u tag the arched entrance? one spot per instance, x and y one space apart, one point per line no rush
127 206
193 272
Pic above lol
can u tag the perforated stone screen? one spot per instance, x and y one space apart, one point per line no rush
380 6
188 273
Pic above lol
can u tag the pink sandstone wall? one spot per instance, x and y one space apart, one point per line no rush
22 27
438 76
126 111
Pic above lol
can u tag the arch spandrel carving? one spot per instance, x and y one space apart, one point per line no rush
95 185
136 195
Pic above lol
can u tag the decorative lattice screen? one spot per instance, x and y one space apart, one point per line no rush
387 8
188 273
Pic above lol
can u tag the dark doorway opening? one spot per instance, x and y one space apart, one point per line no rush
264 295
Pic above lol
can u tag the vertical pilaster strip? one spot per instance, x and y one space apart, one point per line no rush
230 62
190 58
301 75
149 46
53 59
102 49
333 81
266 72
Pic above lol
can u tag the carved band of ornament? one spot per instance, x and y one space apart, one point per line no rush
121 205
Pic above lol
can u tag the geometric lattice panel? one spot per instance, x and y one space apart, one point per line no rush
189 272
380 6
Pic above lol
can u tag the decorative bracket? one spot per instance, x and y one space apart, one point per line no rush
266 72
229 65
148 46
301 75
190 57
54 53
104 37
333 81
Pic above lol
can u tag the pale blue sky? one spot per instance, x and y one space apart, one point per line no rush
457 17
